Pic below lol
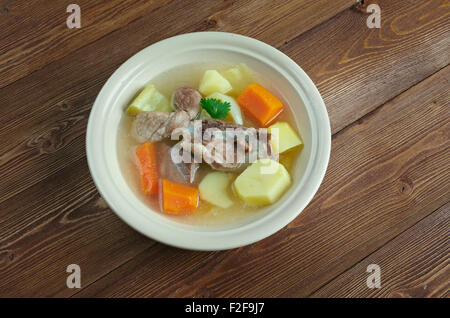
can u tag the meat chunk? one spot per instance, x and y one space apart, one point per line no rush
219 124
172 169
146 125
229 150
186 168
188 99
155 126
214 153
178 119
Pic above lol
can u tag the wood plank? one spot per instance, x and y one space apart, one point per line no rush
275 22
414 264
43 169
66 224
34 33
357 69
34 128
38 126
43 36
386 173
43 130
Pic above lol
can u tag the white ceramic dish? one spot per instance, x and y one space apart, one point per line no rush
280 74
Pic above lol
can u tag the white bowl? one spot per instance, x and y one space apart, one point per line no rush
280 74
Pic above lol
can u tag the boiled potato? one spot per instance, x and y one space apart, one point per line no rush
212 82
288 159
235 110
239 77
150 99
214 189
263 182
287 137
204 115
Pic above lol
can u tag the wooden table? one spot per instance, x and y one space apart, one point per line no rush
384 200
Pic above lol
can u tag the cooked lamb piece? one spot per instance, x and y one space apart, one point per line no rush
170 169
213 153
219 124
178 119
147 124
186 169
242 145
155 126
250 139
188 99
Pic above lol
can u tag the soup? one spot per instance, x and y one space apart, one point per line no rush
215 185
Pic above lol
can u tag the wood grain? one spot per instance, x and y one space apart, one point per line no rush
275 22
37 128
65 224
51 214
37 125
35 34
356 68
43 158
414 264
386 173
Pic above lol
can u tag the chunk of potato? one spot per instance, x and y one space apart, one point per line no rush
263 182
212 82
239 77
214 189
204 115
288 159
283 137
149 99
235 111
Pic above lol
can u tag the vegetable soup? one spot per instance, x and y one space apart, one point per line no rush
208 144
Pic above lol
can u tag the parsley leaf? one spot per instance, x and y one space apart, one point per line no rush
215 107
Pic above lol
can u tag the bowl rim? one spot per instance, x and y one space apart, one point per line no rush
254 231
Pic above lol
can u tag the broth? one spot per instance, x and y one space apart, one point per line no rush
206 213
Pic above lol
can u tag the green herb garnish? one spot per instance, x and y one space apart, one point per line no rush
215 107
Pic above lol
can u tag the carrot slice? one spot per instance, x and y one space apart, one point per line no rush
148 167
178 198
260 104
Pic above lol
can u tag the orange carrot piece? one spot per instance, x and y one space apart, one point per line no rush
260 104
178 198
148 167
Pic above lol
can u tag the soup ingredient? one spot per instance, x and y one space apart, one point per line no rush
219 124
178 198
263 182
260 104
186 168
229 150
171 169
212 81
146 125
235 111
149 99
155 126
188 99
206 151
178 119
148 167
204 115
283 137
214 189
239 77
215 107
288 159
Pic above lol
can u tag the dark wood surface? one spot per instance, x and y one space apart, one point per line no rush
384 199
